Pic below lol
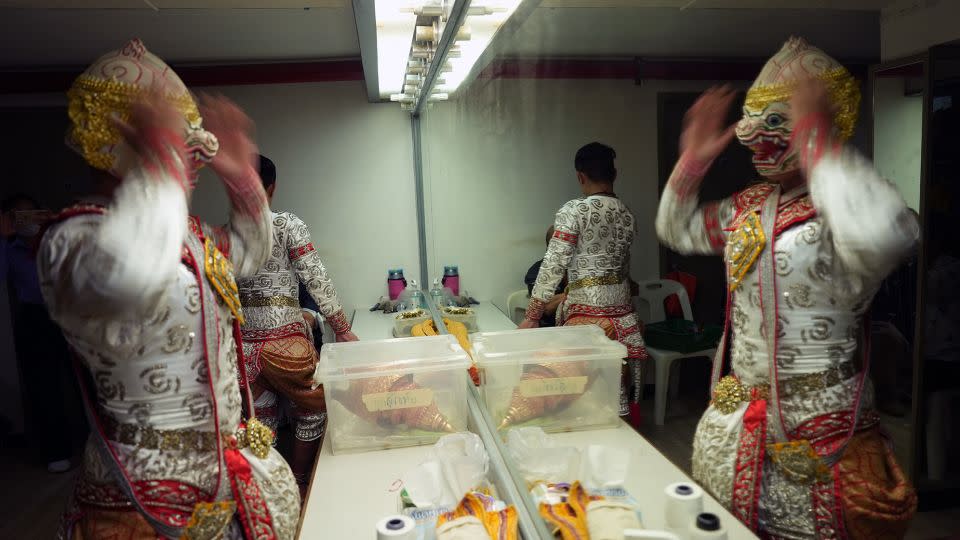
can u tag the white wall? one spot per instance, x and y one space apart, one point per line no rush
345 166
498 163
898 122
911 26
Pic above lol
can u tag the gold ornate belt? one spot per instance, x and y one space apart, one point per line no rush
269 301
593 281
173 440
729 392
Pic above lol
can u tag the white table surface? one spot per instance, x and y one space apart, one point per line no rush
351 492
379 325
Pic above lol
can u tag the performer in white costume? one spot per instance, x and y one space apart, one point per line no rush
147 299
277 344
591 249
790 442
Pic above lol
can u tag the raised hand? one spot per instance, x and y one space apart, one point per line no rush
234 129
811 97
150 115
705 133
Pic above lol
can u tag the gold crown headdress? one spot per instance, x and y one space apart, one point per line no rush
796 61
107 89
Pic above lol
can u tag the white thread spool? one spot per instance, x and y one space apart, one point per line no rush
707 526
396 528
684 502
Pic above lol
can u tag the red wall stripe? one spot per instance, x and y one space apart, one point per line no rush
26 82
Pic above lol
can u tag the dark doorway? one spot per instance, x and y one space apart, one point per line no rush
731 172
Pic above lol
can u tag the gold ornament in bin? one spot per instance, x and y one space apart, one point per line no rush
524 406
427 417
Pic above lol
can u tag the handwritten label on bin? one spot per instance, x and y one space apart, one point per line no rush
556 386
403 399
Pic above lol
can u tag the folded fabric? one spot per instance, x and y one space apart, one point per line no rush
463 528
499 524
606 520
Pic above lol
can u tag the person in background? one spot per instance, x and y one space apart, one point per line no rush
550 309
590 246
277 344
42 354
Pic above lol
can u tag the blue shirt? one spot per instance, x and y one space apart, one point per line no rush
18 264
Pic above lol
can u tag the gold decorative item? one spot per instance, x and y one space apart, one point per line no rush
259 438
395 400
744 247
209 520
534 396
728 394
219 271
799 462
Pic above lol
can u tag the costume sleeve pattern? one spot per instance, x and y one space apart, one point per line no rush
559 253
682 223
311 272
123 260
871 229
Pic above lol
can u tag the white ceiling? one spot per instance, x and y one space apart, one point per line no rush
44 37
865 5
205 31
661 32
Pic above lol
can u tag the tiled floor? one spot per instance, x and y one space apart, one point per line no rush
33 499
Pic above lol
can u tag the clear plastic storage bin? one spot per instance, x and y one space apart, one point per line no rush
464 315
404 321
559 379
394 392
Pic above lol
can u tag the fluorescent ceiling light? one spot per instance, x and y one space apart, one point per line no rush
482 30
396 24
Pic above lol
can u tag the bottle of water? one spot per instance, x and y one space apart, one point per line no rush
436 294
417 300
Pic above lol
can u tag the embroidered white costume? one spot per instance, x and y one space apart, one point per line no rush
591 247
143 295
278 347
789 442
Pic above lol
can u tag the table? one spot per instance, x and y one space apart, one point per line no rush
351 492
648 474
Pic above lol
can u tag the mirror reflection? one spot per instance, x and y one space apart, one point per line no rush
468 269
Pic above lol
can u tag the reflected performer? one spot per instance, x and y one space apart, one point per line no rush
146 298
277 340
590 248
790 441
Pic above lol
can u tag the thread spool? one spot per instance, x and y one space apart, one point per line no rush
684 503
707 527
396 528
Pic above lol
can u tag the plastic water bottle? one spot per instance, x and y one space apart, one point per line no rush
451 279
436 294
395 283
417 300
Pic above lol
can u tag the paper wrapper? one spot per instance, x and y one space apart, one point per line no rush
427 417
526 407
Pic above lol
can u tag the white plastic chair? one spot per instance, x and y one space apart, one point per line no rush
653 293
517 304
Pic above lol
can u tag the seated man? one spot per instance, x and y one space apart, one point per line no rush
550 310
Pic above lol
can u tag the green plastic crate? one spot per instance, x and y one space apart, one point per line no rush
681 335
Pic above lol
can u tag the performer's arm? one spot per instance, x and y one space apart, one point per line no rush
871 229
559 254
682 223
122 261
249 231
311 272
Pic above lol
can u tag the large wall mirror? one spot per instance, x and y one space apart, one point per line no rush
498 157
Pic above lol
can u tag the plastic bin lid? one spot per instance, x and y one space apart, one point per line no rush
361 359
565 343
